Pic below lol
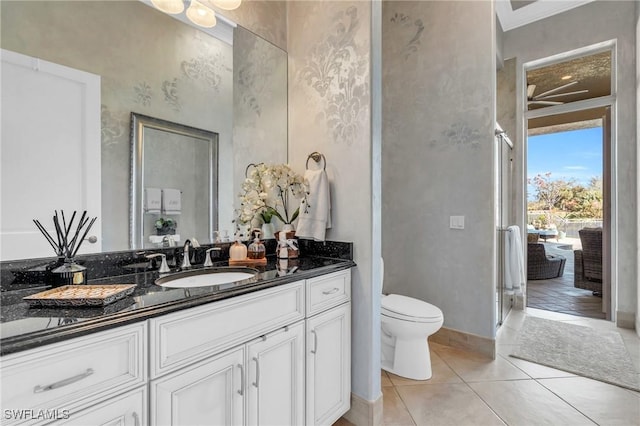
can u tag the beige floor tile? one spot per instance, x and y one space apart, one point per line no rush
472 367
531 369
394 410
605 404
384 379
507 335
527 403
441 373
540 313
446 404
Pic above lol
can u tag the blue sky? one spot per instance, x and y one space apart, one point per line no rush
576 154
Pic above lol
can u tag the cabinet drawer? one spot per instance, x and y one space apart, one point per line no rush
327 291
129 409
73 374
184 337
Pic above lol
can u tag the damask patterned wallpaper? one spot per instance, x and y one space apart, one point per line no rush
437 139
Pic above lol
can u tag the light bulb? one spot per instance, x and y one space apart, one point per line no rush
172 7
201 15
227 4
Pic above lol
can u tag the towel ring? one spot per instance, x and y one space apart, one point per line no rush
316 157
246 171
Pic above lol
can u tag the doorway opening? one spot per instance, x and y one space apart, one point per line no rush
570 143
565 208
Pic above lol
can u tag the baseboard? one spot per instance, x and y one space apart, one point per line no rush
364 412
638 325
466 341
626 320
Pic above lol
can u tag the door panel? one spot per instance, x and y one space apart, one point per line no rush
50 147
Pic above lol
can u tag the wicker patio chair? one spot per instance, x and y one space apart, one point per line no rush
543 266
588 261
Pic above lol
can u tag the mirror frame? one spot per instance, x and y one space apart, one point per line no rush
139 123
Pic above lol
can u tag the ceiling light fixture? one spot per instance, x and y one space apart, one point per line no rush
201 15
567 77
172 7
227 4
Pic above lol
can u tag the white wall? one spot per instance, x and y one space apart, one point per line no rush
438 115
329 111
586 25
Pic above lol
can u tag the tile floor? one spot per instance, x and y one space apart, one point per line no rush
469 389
559 294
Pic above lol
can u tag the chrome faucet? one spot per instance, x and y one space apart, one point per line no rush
164 268
185 259
207 260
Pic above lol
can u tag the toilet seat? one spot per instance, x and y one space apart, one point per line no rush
410 309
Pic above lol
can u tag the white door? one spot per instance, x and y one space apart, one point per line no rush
209 393
328 365
276 378
50 152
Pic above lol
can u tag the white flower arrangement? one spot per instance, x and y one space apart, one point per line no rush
266 192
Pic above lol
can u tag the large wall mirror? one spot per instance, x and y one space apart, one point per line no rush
151 64
174 192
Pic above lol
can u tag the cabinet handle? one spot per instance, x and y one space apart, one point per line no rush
64 382
136 419
315 341
241 391
257 382
332 291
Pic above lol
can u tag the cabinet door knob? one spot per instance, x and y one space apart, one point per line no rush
136 419
64 382
315 341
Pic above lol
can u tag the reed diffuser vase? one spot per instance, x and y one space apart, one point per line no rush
66 245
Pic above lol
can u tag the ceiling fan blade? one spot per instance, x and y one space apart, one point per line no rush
557 89
545 103
561 94
530 89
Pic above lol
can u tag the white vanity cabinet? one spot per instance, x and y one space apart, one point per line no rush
61 380
258 380
209 392
328 357
278 356
276 378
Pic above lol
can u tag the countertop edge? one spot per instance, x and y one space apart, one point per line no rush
20 343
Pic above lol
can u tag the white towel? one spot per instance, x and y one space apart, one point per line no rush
514 272
152 200
315 218
171 201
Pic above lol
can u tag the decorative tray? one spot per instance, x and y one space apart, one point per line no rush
248 262
81 295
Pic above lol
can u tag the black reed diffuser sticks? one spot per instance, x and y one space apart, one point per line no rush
62 244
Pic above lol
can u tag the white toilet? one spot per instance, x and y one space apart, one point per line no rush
406 324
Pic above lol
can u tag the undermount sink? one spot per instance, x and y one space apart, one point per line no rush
232 276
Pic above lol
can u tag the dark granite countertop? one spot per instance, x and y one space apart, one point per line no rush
23 327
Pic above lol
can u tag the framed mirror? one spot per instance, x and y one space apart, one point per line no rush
174 188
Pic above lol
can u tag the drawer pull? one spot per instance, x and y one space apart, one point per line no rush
64 382
332 291
315 341
241 391
257 382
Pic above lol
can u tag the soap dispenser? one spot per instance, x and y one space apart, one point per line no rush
238 251
256 248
